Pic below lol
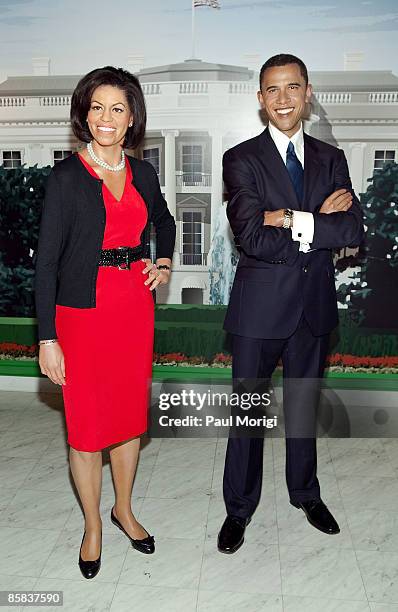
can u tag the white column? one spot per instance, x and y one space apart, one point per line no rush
47 158
170 168
216 177
34 155
356 165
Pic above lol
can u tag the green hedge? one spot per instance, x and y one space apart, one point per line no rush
186 313
190 341
197 331
21 330
367 342
21 197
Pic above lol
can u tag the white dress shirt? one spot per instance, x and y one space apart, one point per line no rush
303 222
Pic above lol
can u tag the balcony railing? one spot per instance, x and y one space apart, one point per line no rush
12 101
333 97
55 100
194 87
193 179
242 88
231 90
193 259
384 97
151 89
40 100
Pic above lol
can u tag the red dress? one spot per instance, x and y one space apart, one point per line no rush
108 349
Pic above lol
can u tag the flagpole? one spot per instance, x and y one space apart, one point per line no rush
193 30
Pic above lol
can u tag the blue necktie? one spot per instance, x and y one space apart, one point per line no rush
295 170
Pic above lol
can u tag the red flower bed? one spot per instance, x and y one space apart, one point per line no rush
353 361
170 358
12 350
221 359
15 351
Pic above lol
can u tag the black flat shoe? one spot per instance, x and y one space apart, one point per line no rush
231 536
146 546
318 515
89 569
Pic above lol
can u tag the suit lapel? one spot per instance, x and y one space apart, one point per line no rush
311 170
277 167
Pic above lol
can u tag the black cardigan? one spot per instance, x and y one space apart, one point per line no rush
71 235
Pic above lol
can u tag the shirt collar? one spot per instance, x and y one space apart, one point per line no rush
282 141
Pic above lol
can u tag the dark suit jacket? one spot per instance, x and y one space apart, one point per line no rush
71 235
274 282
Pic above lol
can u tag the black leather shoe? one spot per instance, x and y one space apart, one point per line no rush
231 536
318 515
146 546
89 569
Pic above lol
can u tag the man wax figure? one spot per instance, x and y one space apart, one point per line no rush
290 202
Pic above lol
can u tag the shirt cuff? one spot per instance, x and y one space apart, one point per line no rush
303 227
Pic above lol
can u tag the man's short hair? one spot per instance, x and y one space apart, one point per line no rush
281 60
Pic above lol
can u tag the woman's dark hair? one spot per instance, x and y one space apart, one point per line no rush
117 77
281 60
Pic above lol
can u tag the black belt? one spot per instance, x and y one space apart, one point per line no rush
121 257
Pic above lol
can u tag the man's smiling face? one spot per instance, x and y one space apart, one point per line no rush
283 96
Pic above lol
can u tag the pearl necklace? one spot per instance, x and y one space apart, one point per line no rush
121 165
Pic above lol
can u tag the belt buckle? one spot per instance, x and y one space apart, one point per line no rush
126 264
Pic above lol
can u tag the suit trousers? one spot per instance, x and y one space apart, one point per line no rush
303 357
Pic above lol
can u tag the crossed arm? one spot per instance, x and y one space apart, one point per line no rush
337 220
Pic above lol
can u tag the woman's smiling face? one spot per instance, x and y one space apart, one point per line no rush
109 115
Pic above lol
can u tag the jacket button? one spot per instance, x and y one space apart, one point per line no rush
305 269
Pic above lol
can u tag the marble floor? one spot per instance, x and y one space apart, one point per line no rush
285 564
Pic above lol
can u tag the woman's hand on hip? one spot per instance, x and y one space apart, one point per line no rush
155 276
52 362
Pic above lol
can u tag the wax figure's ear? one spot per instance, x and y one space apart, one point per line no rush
260 98
308 93
262 112
308 102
